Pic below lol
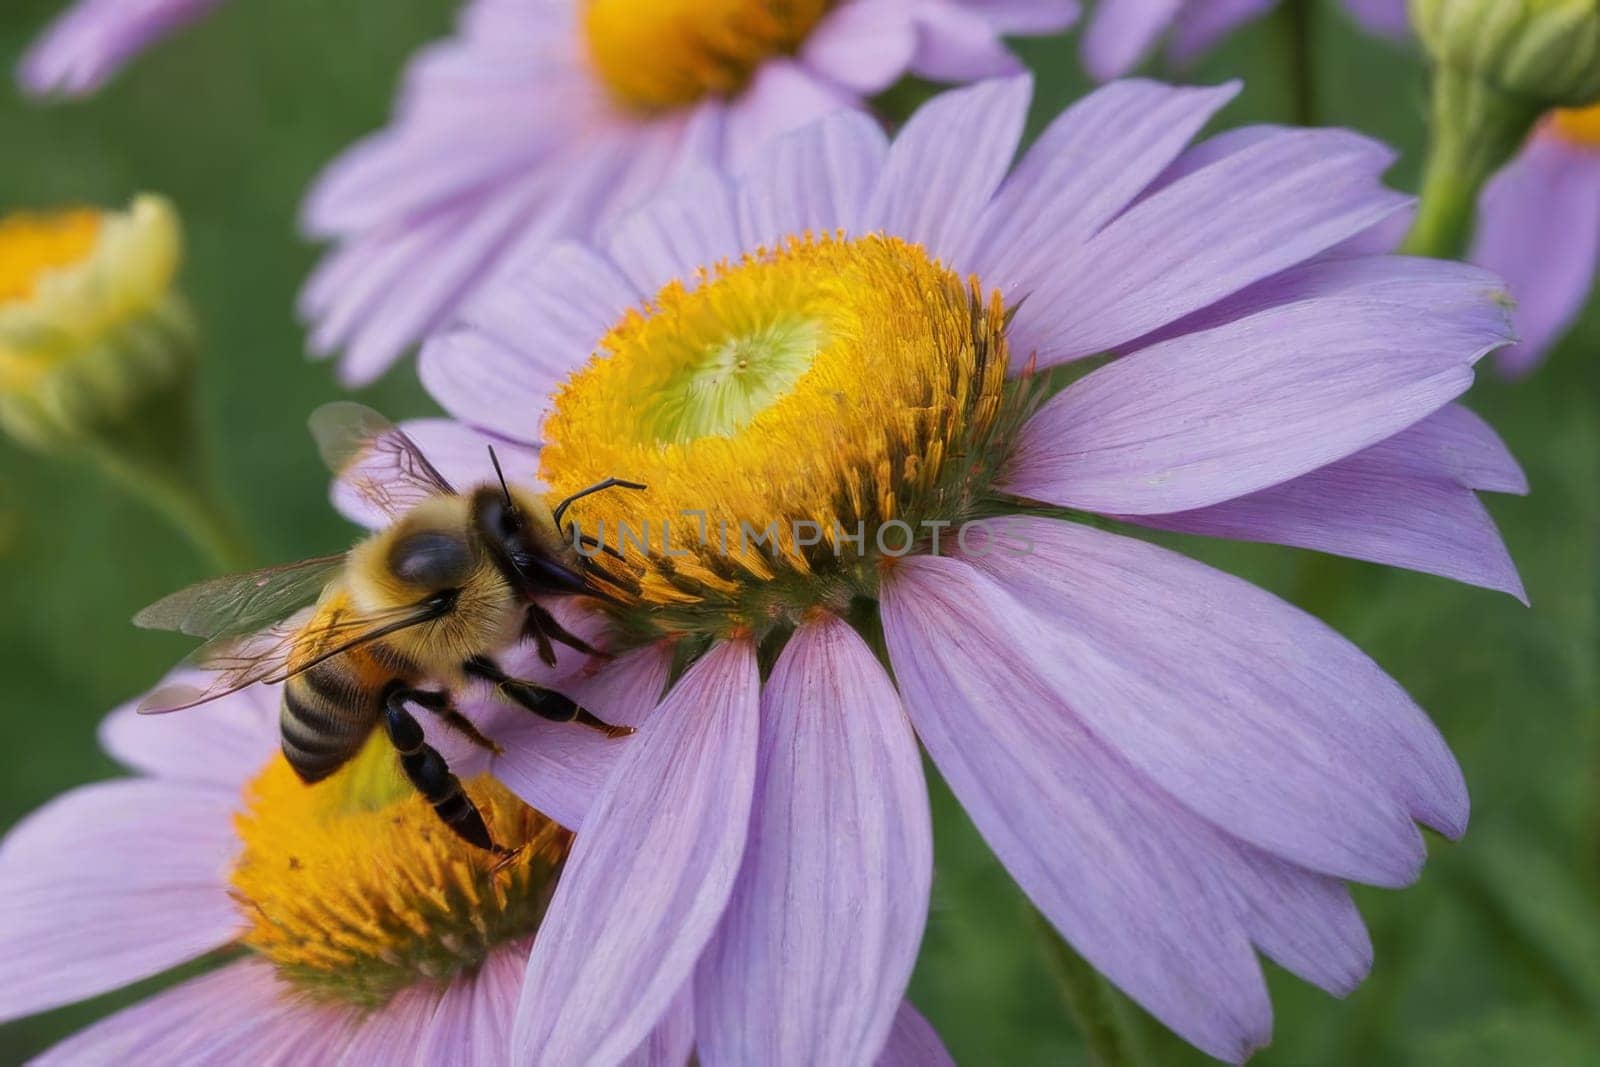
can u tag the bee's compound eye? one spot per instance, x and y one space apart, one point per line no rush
431 559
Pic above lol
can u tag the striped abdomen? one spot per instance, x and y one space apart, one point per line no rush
326 716
330 709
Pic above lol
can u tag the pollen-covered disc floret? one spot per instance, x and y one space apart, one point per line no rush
669 53
355 890
792 414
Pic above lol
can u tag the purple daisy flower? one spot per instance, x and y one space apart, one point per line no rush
93 39
1539 228
1122 33
825 363
544 117
369 938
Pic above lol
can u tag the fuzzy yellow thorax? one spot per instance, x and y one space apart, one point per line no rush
814 392
356 890
668 53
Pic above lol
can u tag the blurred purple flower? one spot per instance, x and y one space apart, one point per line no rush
92 40
1122 33
511 132
1539 228
1178 768
118 881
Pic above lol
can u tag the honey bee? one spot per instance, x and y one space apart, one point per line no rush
429 599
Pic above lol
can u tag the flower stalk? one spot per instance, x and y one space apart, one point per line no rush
1476 129
1089 1001
177 491
1299 34
154 451
98 351
1499 66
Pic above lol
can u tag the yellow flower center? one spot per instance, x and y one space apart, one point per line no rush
1580 125
356 890
798 417
667 53
33 245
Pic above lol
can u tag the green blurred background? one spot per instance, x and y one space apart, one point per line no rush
1494 957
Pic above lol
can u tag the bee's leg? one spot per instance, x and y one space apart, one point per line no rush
536 698
463 726
583 718
439 703
546 703
545 626
427 771
531 628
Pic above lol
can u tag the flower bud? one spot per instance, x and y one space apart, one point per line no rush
92 333
98 352
1546 53
1498 67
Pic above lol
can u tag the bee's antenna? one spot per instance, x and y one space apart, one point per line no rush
609 483
498 473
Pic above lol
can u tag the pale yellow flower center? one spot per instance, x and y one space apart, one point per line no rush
667 53
356 890
33 245
811 393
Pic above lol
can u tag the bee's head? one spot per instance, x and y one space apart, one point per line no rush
521 537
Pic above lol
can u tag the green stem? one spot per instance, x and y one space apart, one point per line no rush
1476 129
1089 1001
1445 212
197 515
1298 20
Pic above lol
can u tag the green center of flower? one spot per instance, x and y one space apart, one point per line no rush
798 417
721 388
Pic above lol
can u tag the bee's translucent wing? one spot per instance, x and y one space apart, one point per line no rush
235 661
374 458
236 604
230 663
